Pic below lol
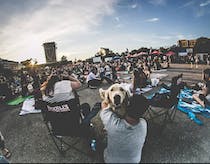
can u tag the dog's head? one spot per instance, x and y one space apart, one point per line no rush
115 95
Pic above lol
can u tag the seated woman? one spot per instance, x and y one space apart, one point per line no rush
139 80
58 90
203 96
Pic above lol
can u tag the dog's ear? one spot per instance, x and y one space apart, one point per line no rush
102 93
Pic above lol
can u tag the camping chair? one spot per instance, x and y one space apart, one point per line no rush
63 121
168 112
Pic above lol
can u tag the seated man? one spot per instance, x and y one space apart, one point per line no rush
94 81
126 136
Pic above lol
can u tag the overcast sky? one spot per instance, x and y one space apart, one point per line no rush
81 27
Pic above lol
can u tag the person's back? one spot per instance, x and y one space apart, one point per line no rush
126 136
60 90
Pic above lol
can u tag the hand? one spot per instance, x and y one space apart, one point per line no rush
104 104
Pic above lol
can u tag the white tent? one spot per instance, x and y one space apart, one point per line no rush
182 53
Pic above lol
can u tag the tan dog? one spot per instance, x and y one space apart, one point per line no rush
116 96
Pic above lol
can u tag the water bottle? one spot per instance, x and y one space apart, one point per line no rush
93 145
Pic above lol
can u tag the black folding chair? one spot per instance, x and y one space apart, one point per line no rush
168 112
63 120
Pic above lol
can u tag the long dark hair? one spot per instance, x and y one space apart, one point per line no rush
50 85
136 80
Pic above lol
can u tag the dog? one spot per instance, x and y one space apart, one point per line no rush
116 97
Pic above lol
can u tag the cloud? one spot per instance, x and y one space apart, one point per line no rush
57 20
117 19
205 3
158 2
180 36
134 6
190 3
152 20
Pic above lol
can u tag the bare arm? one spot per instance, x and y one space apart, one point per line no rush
104 105
196 98
75 83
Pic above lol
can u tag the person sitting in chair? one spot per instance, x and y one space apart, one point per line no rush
169 99
64 89
139 80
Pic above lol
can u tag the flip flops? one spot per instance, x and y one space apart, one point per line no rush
6 153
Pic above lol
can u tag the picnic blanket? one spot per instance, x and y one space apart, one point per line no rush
160 91
29 107
18 100
189 106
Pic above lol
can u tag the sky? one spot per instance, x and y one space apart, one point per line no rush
81 27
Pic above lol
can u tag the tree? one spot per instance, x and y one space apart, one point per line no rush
64 59
202 45
27 62
163 50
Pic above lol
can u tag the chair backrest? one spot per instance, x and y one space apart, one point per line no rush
64 117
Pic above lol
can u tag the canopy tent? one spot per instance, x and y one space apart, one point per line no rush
156 52
169 53
182 53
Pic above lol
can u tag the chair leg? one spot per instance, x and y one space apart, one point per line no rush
172 114
56 144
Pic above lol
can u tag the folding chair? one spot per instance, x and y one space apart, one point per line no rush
63 121
168 112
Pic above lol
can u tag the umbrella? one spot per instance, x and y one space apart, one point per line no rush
169 53
143 53
135 55
156 52
129 55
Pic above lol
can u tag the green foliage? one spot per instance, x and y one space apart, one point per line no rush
202 45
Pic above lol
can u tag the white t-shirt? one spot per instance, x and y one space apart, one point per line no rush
91 76
62 92
125 141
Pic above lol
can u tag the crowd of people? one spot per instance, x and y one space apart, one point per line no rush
58 83
25 81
